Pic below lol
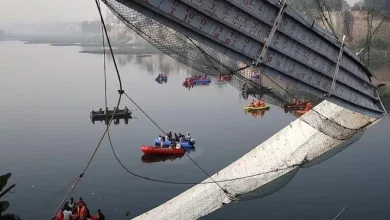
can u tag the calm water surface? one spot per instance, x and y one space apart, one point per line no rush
47 138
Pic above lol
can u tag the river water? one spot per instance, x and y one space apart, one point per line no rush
47 138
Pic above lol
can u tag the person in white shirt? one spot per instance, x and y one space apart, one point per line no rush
67 214
71 203
188 137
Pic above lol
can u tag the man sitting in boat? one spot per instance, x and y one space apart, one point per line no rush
173 145
176 137
188 137
169 135
252 104
160 138
100 111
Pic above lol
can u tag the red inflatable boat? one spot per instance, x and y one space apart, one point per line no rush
159 150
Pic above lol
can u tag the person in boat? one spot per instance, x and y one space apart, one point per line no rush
261 103
178 146
99 215
173 145
176 137
82 212
71 203
81 201
67 214
169 135
188 137
162 141
252 104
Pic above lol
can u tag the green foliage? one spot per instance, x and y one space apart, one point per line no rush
3 182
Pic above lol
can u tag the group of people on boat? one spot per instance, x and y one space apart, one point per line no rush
162 77
189 82
257 103
100 111
174 137
73 210
299 106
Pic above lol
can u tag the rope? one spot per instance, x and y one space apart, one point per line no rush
119 100
139 107
190 183
48 202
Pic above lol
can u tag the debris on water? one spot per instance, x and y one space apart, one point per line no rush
127 213
93 193
32 186
100 198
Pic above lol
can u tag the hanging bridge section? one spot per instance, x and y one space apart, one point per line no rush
269 36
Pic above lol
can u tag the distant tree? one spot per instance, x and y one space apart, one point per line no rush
377 5
90 27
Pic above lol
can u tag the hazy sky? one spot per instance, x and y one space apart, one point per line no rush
33 11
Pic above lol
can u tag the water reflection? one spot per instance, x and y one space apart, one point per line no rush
155 63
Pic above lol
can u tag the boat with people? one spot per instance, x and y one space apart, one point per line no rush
162 77
296 104
256 106
196 80
77 210
102 115
169 139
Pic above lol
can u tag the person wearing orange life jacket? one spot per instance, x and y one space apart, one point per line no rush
261 103
308 107
59 215
82 211
252 104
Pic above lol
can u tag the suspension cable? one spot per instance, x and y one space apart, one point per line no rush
117 106
139 107
48 202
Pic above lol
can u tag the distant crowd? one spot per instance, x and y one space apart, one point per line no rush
73 210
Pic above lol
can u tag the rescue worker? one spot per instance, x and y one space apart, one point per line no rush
188 137
252 104
82 211
71 203
99 215
261 103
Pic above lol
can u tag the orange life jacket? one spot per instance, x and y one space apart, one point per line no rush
82 212
59 215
